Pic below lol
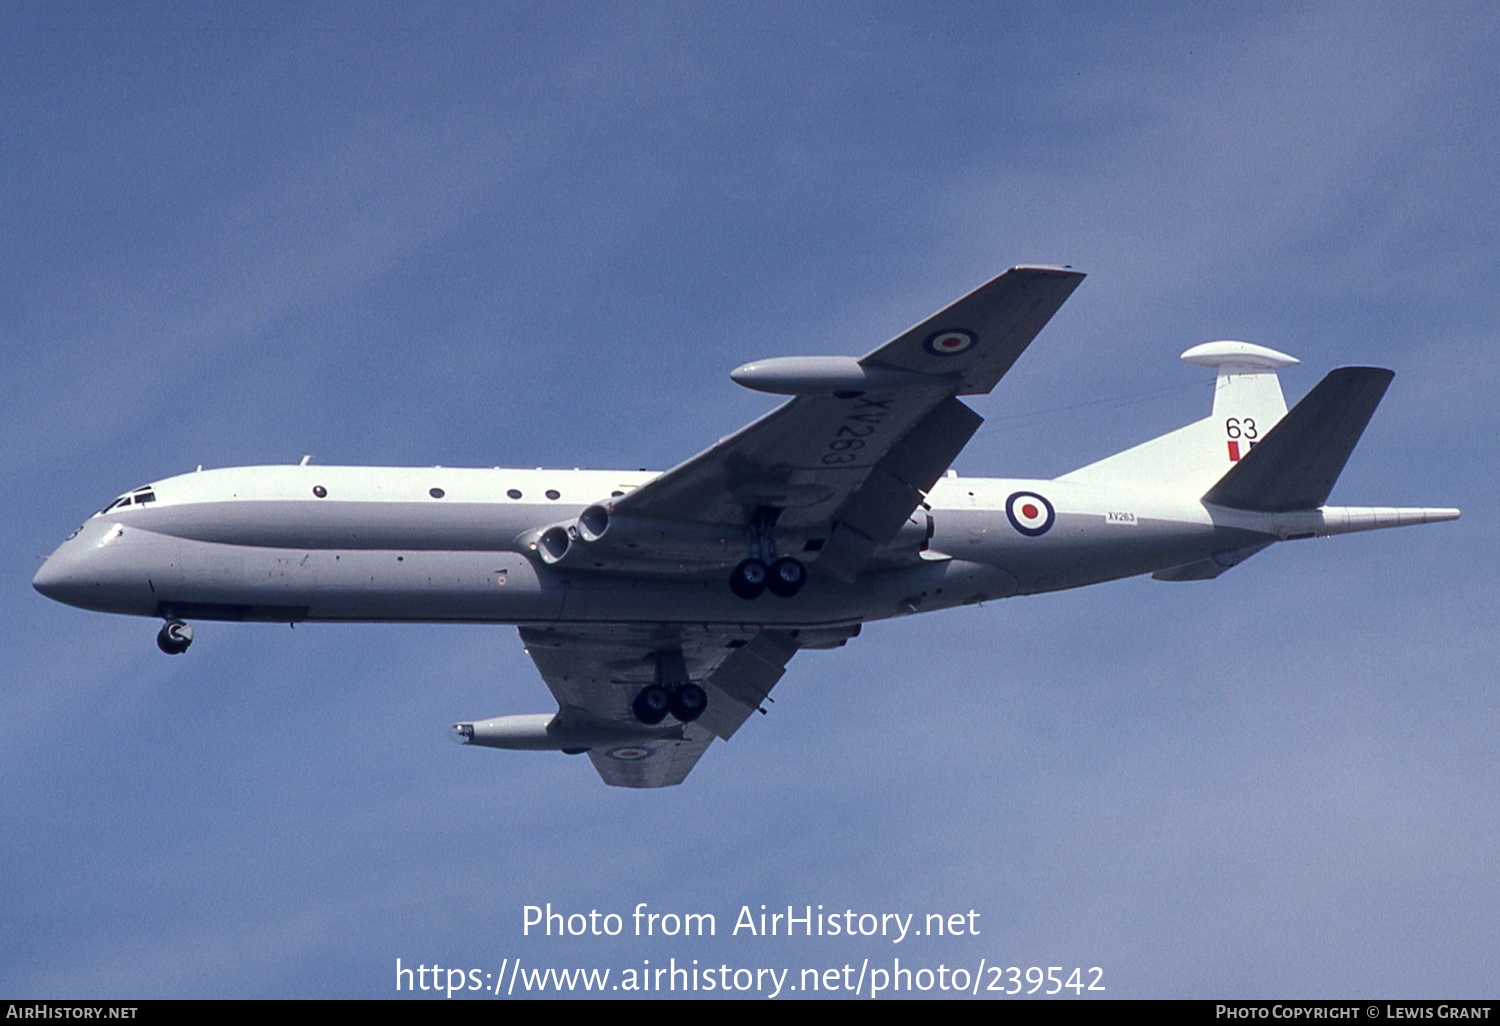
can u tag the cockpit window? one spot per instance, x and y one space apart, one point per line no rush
139 497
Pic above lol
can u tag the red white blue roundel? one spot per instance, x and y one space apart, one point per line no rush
630 753
950 343
1030 513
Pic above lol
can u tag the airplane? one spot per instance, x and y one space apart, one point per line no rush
662 608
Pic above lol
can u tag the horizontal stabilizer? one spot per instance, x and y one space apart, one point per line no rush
1295 465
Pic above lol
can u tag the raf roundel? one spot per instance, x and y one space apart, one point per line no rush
630 753
950 343
1029 513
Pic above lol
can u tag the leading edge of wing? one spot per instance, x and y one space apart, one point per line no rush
979 338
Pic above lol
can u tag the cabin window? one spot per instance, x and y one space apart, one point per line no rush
514 493
553 493
320 491
436 493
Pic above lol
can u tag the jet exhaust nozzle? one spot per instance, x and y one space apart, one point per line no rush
553 545
593 523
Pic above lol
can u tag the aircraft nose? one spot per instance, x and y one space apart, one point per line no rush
90 571
54 580
45 580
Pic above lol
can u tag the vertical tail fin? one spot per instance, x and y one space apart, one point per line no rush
1301 459
1247 394
1247 404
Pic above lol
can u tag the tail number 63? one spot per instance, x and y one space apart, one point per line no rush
1236 427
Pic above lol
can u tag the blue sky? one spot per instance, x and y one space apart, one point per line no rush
479 234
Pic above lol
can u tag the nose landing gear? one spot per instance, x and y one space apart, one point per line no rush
174 637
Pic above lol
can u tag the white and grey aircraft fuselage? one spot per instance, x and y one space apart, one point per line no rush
662 607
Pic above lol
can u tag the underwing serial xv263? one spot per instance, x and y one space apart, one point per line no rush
661 608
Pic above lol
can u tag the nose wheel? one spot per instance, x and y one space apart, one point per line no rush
174 637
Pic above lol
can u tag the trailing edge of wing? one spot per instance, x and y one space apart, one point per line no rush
1295 466
744 680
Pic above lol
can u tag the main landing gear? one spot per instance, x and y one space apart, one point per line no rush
685 701
762 569
174 637
672 693
784 577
